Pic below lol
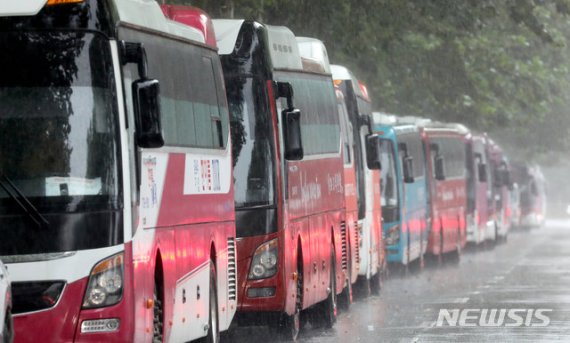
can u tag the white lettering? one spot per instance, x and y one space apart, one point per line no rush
514 316
492 319
540 316
450 317
465 316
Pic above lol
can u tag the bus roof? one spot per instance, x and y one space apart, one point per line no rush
193 17
148 14
143 13
283 49
227 31
344 74
381 118
315 50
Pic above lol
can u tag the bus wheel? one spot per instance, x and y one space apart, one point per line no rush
289 326
345 299
377 281
158 313
213 323
456 254
325 312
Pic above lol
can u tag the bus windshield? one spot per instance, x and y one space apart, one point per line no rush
57 131
252 142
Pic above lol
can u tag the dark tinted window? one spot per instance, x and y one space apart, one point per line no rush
453 151
252 141
415 149
57 118
314 96
192 98
388 182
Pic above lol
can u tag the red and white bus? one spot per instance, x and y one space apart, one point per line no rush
116 199
532 187
502 184
480 199
362 185
446 161
288 174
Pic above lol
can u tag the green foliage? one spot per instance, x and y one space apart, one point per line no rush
497 65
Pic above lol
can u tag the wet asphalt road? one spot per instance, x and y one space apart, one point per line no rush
529 272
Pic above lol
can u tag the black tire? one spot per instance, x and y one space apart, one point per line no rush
330 305
345 298
455 256
377 281
289 326
8 331
213 335
158 312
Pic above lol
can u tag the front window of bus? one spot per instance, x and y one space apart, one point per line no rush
389 185
253 154
57 133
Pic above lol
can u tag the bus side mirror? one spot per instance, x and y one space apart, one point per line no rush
292 135
482 171
408 169
506 178
534 189
373 152
364 120
146 104
439 167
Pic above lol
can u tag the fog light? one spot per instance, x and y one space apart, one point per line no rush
263 292
100 325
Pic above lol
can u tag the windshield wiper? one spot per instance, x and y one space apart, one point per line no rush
22 201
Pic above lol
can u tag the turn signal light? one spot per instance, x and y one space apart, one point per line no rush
61 2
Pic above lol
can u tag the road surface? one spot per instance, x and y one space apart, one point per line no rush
523 284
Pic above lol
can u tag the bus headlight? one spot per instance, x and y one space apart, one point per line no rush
393 236
264 261
105 287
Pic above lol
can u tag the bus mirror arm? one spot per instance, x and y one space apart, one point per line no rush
482 172
285 90
146 103
146 98
292 135
364 120
439 167
408 169
135 53
373 158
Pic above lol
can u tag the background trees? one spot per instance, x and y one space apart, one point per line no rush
500 66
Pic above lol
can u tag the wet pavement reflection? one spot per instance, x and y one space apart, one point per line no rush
517 291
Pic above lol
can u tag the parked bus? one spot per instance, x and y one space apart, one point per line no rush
116 200
292 247
480 200
363 208
447 184
532 187
404 194
500 192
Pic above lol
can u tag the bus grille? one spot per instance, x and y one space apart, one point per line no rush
232 272
35 296
344 246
